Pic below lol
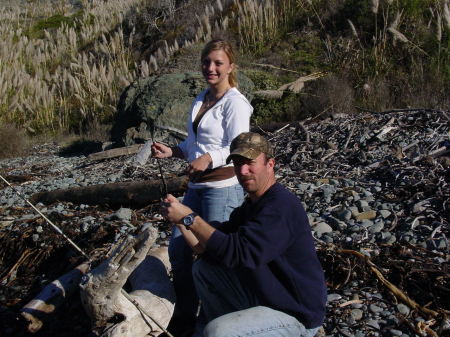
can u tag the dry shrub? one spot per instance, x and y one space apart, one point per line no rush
329 95
427 90
14 142
94 139
376 95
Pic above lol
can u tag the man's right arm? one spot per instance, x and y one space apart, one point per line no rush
198 233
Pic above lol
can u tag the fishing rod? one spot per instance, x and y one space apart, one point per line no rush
59 231
163 180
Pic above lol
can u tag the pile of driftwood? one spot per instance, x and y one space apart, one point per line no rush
402 154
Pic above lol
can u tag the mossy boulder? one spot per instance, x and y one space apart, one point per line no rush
160 103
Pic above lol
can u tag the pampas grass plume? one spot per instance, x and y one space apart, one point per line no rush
439 27
447 14
352 27
375 4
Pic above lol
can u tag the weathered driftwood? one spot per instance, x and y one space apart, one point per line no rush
111 311
135 194
41 308
113 153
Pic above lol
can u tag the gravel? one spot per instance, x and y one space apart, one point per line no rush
363 198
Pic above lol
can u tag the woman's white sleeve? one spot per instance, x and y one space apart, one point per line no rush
237 114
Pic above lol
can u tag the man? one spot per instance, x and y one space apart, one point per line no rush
259 272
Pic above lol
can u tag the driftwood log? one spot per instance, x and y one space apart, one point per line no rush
113 153
148 307
44 305
136 194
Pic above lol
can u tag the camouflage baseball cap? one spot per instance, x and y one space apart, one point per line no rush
250 145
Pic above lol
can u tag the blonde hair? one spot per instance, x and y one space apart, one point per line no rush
219 44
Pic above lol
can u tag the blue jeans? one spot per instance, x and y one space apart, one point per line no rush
233 310
212 204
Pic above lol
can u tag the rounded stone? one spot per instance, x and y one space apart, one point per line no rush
403 309
321 228
375 309
396 332
357 314
373 324
333 297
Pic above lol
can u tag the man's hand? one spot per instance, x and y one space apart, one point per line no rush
199 232
173 210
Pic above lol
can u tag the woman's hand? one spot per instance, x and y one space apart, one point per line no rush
198 166
161 151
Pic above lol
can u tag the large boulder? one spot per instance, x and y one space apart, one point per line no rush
161 103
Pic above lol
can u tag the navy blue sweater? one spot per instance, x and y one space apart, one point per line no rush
271 245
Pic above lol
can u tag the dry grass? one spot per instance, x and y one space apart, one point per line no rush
331 95
14 141
73 75
260 22
47 82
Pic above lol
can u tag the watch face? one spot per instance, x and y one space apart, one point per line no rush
188 220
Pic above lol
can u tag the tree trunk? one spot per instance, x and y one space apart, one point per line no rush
136 194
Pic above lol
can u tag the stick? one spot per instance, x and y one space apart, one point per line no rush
397 292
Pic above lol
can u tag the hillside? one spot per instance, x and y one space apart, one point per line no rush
64 66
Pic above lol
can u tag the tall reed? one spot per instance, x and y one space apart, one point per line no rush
47 82
74 74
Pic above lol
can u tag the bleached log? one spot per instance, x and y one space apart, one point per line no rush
113 153
41 308
103 298
134 194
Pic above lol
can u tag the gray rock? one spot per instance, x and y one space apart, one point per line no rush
88 219
321 228
123 214
366 223
334 182
327 239
420 207
376 228
357 314
361 204
403 309
344 215
395 332
391 240
373 324
161 100
375 309
384 213
333 297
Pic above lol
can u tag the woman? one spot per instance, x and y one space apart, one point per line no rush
217 116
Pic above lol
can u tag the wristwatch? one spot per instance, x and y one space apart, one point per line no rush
188 220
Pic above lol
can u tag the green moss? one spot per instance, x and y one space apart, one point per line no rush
286 108
54 22
263 80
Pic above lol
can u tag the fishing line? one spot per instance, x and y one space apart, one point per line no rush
56 228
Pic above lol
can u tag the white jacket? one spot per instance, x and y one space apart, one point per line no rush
229 117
